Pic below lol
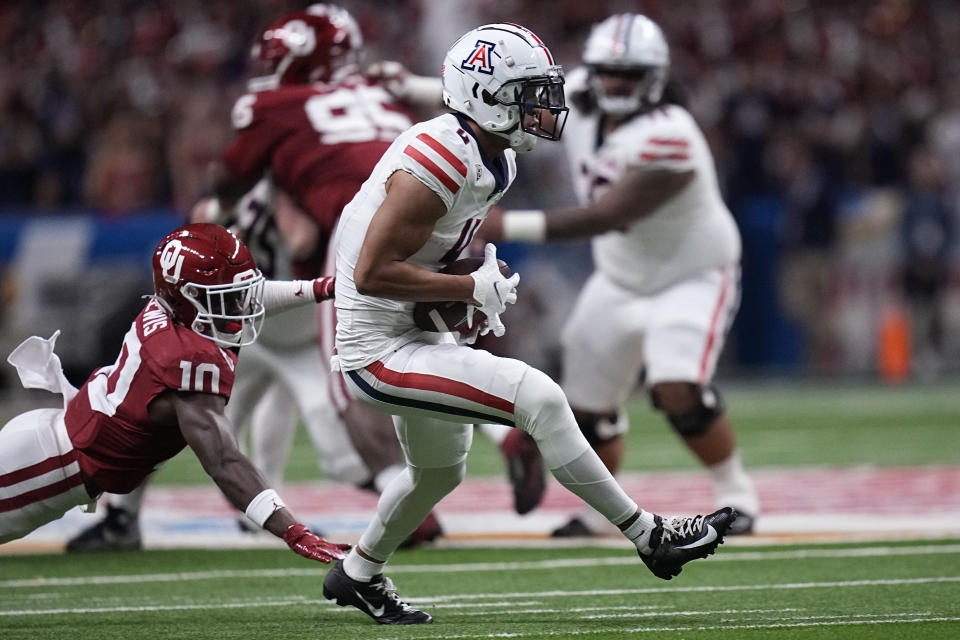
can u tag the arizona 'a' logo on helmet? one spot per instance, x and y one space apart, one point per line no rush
481 58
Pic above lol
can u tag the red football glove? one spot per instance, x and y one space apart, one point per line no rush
312 546
323 288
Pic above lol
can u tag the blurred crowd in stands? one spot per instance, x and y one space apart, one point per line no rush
835 125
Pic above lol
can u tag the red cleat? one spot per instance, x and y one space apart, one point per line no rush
525 468
428 531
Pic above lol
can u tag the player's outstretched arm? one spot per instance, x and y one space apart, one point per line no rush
280 295
208 432
639 193
420 92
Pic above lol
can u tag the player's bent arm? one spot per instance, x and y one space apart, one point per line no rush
208 432
227 188
296 227
637 194
401 226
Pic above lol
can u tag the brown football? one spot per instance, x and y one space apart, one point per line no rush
451 316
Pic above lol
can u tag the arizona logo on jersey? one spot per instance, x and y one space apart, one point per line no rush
481 58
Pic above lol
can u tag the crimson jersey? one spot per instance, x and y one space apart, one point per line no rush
108 423
320 142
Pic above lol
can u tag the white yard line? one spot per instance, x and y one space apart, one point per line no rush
568 633
500 597
617 561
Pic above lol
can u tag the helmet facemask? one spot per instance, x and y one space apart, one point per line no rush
648 84
540 103
229 314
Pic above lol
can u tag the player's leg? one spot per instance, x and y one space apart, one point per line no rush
366 437
689 323
273 425
118 529
39 476
602 355
449 382
435 451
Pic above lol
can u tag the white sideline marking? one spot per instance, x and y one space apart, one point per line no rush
704 589
502 596
882 551
773 625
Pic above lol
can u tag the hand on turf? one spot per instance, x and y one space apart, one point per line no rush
491 293
310 545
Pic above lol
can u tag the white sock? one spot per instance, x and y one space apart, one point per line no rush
639 531
359 568
732 487
129 502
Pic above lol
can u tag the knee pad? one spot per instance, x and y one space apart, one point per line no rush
540 403
600 428
696 420
439 481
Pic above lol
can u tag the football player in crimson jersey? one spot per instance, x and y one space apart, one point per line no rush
666 248
307 135
167 390
416 213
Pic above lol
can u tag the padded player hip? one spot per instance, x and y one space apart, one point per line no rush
445 382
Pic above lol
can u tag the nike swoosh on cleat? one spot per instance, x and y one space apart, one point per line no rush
707 538
376 612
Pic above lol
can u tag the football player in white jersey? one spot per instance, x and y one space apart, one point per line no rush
417 211
666 249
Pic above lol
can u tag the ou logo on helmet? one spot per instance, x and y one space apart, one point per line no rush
480 59
298 37
171 261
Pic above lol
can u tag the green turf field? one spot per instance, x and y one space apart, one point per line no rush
776 425
902 591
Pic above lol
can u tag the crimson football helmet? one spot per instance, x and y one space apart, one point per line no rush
320 44
205 277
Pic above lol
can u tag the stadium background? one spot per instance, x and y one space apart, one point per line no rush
836 130
835 126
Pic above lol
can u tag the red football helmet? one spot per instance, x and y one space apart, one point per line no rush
206 278
321 44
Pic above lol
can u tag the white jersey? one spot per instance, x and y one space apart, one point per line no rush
443 154
691 232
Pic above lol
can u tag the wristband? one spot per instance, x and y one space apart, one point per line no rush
323 288
263 505
527 225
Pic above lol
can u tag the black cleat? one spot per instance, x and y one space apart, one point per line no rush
525 469
575 528
679 540
742 526
377 598
119 530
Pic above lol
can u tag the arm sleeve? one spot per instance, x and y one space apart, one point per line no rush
438 162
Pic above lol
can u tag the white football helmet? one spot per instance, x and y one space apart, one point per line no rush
504 78
628 44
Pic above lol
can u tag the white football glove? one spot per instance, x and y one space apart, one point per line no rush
492 292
